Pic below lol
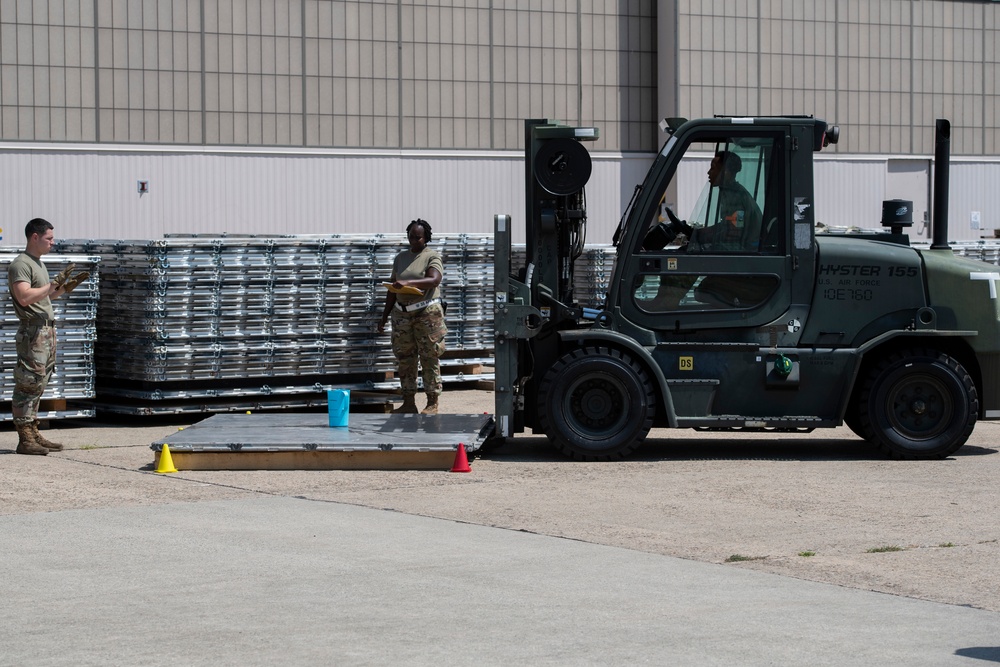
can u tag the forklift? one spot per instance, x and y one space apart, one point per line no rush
737 314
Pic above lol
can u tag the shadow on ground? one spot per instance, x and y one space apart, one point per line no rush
692 448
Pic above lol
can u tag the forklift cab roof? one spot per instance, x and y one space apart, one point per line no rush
823 134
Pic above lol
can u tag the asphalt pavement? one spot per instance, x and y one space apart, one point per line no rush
284 580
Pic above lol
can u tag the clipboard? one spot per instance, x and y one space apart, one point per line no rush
406 289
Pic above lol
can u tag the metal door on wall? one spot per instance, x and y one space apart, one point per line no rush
911 179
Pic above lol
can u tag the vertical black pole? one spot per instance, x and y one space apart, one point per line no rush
942 153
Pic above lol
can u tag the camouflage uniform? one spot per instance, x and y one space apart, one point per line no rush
420 335
36 359
35 340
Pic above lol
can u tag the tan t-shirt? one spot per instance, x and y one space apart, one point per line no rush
410 266
27 269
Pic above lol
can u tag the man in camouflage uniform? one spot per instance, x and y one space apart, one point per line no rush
32 293
733 225
734 218
418 326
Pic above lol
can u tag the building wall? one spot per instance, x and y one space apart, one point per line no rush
334 116
309 116
325 73
464 73
92 191
886 69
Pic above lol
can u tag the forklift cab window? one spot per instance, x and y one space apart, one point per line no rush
727 219
728 214
695 291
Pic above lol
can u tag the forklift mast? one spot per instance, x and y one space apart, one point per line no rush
535 300
557 167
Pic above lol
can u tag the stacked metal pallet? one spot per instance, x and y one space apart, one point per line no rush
72 385
195 324
468 290
985 251
592 277
591 273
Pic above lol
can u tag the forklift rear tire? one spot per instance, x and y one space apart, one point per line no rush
596 404
918 404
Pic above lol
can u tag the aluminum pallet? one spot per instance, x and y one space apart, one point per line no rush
306 442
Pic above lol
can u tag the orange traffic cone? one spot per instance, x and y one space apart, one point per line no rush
461 460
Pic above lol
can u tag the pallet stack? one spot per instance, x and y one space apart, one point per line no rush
198 324
468 290
592 277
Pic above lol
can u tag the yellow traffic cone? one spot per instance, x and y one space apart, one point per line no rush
166 463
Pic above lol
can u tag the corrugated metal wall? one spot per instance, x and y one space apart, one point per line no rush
849 192
975 189
92 193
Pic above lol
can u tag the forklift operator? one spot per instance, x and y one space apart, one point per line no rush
737 220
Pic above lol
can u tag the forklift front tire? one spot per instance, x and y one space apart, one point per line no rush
596 404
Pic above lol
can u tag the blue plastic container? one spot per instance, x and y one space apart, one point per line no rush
339 403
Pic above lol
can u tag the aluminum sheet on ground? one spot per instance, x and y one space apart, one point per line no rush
311 432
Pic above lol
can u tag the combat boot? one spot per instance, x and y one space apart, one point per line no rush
26 443
43 441
432 405
409 406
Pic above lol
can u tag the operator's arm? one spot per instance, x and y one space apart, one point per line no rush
27 295
665 232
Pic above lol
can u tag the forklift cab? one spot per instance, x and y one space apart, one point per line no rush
731 267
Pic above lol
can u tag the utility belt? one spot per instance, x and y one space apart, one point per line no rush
419 305
39 322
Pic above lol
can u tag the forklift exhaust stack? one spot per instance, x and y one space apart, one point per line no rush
942 154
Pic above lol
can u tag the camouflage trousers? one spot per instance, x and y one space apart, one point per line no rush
36 359
419 335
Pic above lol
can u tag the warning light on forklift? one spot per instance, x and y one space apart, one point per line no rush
783 365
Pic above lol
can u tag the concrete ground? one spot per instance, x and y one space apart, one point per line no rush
703 549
